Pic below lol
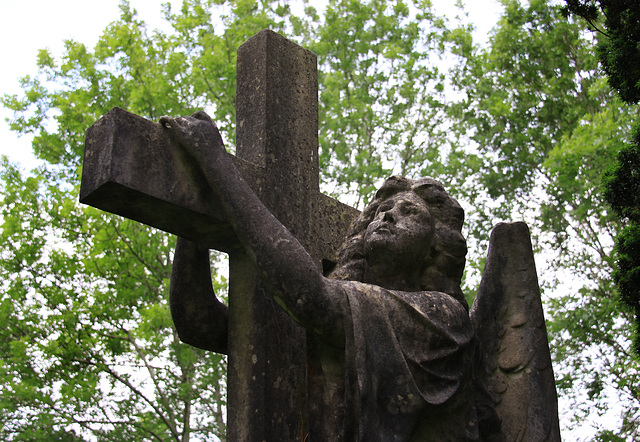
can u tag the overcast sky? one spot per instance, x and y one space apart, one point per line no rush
29 25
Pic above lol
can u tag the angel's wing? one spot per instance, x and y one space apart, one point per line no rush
515 364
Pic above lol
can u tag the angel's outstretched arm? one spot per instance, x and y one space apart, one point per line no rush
286 268
200 318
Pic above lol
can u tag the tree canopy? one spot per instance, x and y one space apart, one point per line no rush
546 125
619 53
519 129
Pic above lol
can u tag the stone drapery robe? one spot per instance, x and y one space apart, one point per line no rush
406 368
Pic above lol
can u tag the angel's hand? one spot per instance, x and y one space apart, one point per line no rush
197 134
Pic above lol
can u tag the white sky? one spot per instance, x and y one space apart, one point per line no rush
29 25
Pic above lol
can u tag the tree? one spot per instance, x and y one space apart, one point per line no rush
88 342
89 349
619 53
618 23
545 125
622 183
591 334
382 86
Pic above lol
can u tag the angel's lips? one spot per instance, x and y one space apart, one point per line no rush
382 228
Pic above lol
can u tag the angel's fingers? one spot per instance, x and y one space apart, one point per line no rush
168 122
203 116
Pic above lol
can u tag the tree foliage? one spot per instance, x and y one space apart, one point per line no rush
622 192
545 125
88 342
519 129
89 349
619 53
88 346
382 91
523 94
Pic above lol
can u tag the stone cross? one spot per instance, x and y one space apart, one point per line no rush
132 168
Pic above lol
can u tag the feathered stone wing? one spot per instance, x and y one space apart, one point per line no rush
514 360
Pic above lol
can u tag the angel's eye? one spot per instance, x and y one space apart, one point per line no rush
383 208
411 209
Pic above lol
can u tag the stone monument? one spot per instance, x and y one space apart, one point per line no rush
372 341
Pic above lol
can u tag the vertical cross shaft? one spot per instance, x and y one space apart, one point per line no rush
277 126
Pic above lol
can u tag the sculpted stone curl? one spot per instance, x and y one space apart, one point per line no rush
442 270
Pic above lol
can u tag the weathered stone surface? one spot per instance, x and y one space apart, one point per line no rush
509 321
408 342
277 126
132 168
387 347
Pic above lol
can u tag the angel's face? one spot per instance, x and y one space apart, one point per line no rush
402 229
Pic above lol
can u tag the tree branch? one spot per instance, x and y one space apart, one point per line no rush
137 392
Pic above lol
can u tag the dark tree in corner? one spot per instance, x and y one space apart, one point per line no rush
619 53
622 191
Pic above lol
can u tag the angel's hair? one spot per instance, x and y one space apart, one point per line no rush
445 263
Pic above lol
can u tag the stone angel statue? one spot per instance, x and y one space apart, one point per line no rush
402 358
